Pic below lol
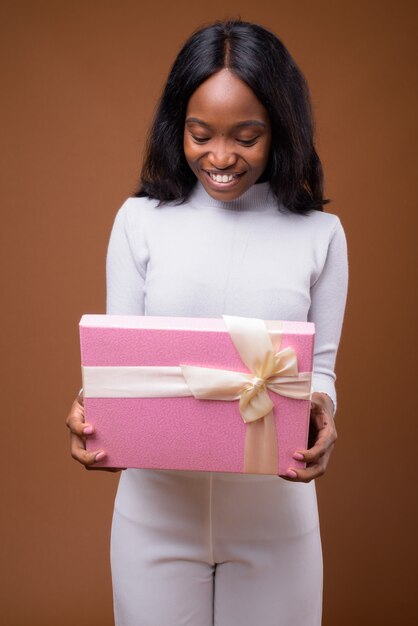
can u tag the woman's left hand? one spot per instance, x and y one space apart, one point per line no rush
322 436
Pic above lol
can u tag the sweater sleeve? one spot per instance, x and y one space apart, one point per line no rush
125 275
328 298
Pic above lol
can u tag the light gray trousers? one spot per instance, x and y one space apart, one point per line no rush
202 549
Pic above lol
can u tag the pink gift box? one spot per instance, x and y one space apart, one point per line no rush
181 433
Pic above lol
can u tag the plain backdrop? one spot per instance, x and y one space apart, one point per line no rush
80 81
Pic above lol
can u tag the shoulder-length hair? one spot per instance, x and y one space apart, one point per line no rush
259 59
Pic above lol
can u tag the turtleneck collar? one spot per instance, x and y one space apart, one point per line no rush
258 197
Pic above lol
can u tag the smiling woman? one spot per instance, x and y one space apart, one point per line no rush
219 61
227 220
227 153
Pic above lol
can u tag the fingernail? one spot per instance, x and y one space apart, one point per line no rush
291 473
100 455
88 430
298 456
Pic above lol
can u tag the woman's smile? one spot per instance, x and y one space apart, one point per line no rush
222 180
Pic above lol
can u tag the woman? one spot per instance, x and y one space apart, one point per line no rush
228 219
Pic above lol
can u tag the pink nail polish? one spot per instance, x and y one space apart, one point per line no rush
298 456
100 455
88 430
291 473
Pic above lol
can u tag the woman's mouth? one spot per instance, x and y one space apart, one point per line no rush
223 180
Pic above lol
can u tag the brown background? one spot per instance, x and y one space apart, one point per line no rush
79 83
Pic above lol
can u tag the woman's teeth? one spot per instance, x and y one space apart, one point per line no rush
222 178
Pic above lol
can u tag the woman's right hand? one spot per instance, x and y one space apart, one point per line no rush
79 431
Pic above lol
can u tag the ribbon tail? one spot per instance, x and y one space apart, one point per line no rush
261 453
251 340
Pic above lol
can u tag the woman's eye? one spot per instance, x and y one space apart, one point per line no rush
243 142
247 142
200 139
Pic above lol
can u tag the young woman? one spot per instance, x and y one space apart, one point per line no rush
228 220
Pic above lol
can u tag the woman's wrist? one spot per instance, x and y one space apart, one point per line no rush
324 400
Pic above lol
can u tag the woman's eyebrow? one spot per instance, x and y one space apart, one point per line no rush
196 120
251 123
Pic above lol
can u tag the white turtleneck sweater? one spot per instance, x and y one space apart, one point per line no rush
206 258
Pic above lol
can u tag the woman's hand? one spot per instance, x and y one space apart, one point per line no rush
79 431
322 437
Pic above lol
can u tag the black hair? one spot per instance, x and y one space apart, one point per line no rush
256 56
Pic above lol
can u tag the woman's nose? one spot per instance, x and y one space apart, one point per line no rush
221 156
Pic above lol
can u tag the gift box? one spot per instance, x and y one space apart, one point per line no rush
217 395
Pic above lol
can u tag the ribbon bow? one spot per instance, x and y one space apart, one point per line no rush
270 368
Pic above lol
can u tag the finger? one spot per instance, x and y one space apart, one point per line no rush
310 473
79 427
304 475
80 454
325 439
323 444
76 413
312 470
75 421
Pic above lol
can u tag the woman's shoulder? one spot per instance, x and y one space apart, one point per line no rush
134 205
316 224
137 211
325 226
324 219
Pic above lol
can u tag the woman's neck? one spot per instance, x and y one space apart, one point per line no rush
258 197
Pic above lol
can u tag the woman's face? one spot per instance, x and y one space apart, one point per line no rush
227 136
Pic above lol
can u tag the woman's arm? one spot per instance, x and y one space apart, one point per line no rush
328 298
125 271
125 296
